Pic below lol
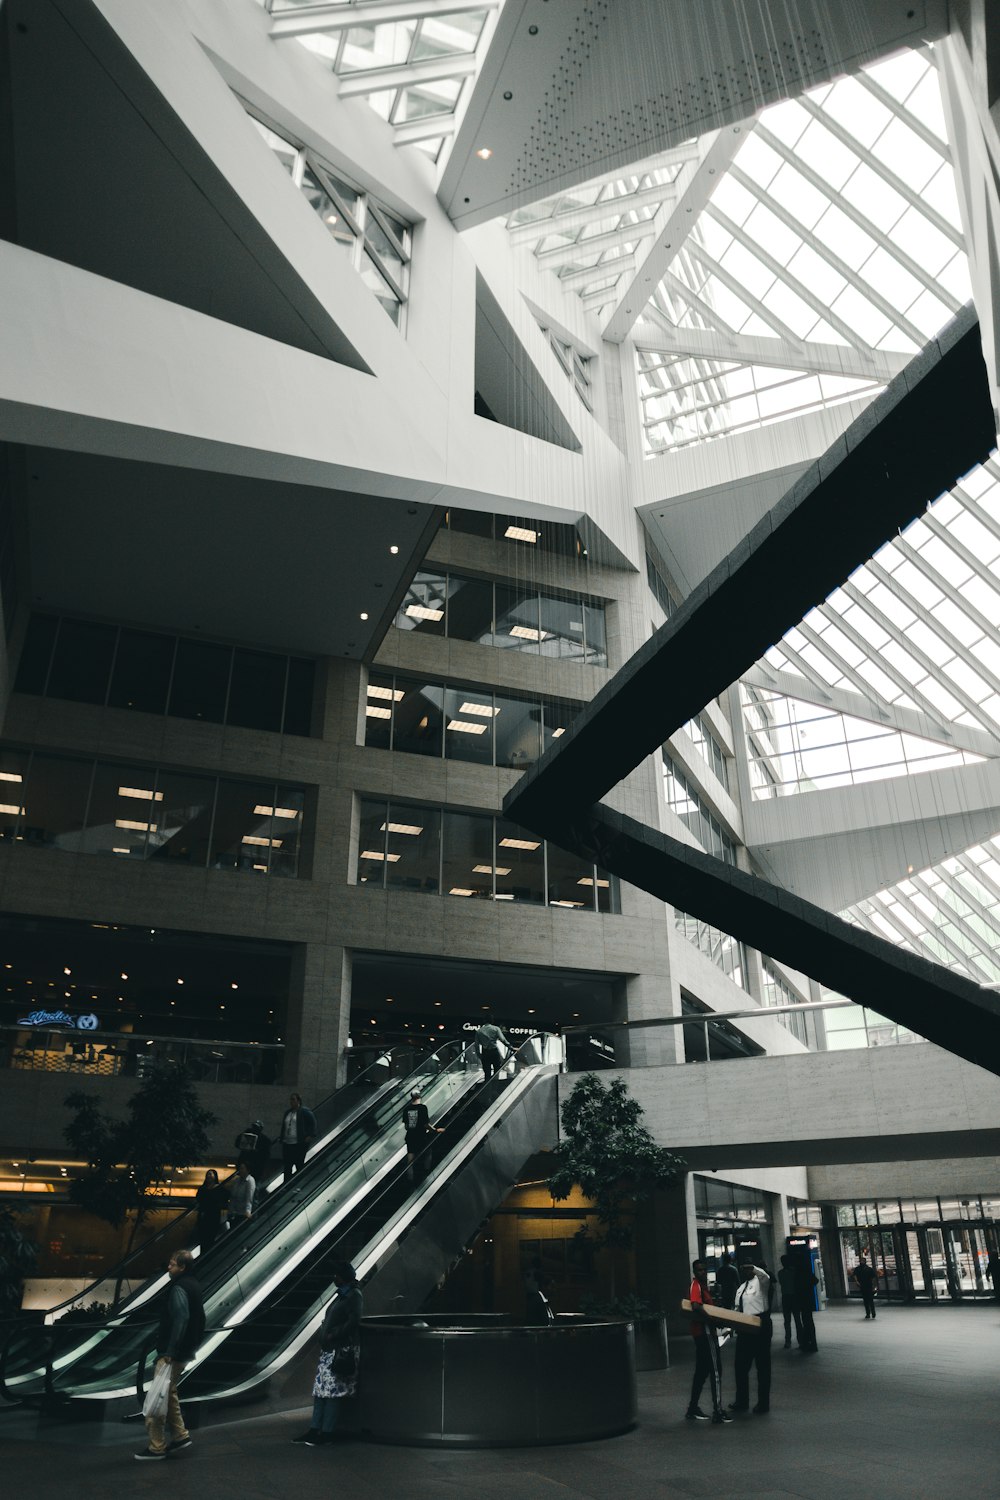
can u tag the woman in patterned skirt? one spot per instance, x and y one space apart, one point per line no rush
337 1374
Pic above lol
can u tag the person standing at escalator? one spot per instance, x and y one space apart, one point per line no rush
489 1040
298 1131
340 1343
209 1205
418 1130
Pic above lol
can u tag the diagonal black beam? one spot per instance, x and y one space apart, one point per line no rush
933 1001
930 425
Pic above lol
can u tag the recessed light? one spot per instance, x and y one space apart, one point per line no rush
519 843
364 614
394 550
484 153
521 534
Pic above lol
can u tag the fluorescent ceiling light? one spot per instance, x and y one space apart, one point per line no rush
377 854
519 843
461 726
121 851
565 903
137 827
10 776
261 811
413 828
460 890
383 692
261 867
483 710
491 869
139 791
263 843
521 534
8 807
526 633
377 713
421 612
557 732
504 896
588 881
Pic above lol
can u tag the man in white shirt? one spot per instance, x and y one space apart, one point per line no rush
753 1345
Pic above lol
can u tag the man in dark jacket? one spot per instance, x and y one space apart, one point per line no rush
182 1326
298 1131
727 1281
867 1280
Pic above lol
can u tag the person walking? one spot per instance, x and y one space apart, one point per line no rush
418 1130
298 1131
727 1280
337 1372
241 1193
209 1206
753 1345
867 1279
489 1039
789 1306
182 1325
707 1364
805 1295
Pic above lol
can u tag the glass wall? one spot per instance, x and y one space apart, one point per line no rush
141 812
470 724
510 616
376 242
88 662
403 846
778 992
727 953
522 532
685 800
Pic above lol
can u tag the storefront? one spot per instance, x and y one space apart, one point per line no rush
931 1249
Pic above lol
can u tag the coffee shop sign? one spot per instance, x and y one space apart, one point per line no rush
60 1019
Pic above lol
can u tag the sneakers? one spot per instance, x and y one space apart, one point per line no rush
697 1415
310 1439
722 1416
147 1455
179 1443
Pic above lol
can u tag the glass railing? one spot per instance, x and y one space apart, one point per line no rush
112 1054
240 1266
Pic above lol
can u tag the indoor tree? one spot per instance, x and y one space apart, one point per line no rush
609 1153
129 1160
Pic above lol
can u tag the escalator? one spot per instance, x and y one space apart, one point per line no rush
360 1139
267 1284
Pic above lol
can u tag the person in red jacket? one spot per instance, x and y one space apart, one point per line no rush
707 1365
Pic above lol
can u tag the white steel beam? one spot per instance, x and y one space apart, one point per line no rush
332 18
429 128
593 213
616 239
692 190
575 280
406 75
754 349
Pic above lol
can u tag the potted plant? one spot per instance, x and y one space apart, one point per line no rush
607 1151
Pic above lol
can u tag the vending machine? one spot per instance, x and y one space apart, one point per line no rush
805 1247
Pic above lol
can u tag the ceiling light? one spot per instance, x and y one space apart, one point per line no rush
376 854
588 881
565 903
141 792
394 550
330 219
136 827
411 828
526 633
438 1002
504 896
557 732
6 807
116 850
421 612
10 776
260 811
364 614
531 1012
371 712
262 843
484 710
261 867
462 726
461 890
67 971
491 869
484 153
519 843
180 981
521 534
234 985
393 694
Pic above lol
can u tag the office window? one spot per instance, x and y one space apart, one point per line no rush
155 673
472 856
54 802
462 723
468 721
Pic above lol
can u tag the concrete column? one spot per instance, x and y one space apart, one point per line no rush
777 1213
663 1260
648 997
319 1017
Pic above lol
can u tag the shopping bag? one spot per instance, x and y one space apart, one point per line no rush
155 1404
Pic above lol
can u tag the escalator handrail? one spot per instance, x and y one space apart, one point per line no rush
51 1313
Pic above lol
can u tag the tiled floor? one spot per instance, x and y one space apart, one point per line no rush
904 1408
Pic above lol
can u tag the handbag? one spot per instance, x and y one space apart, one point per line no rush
155 1404
344 1361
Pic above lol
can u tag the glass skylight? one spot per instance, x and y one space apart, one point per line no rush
413 71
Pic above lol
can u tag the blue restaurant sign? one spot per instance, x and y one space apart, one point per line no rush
61 1019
